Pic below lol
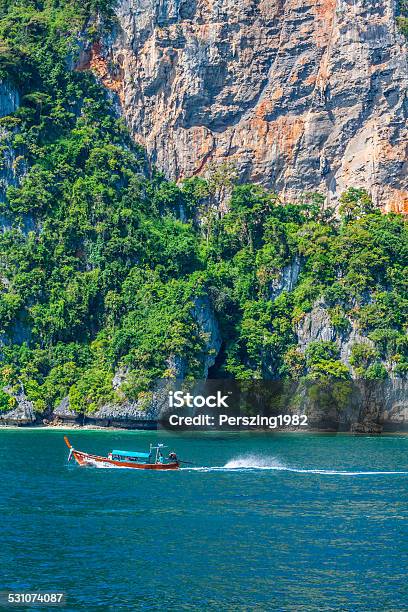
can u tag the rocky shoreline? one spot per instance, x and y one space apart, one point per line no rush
370 407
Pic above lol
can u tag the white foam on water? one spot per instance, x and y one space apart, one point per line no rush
251 463
101 465
254 462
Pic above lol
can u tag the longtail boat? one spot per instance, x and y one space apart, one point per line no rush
153 460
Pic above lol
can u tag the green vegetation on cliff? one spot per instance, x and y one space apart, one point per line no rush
402 18
102 261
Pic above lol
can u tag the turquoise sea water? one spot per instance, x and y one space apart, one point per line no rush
284 522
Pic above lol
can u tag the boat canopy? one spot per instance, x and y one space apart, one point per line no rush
121 453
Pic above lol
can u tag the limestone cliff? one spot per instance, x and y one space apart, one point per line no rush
374 406
12 164
300 94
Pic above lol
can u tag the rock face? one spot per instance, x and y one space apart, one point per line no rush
301 95
12 164
9 99
287 279
395 411
374 406
371 407
64 413
317 326
130 415
203 314
22 414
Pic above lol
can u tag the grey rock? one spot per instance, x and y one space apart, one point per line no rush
19 331
13 167
120 377
177 366
375 406
349 340
9 99
394 411
6 223
372 407
287 279
203 313
22 414
143 414
64 412
315 326
12 164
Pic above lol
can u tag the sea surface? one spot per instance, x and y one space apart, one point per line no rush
259 522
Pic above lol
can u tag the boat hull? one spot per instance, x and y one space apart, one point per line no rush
86 459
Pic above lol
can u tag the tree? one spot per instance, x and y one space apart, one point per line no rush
321 350
221 177
376 371
362 356
295 362
354 204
